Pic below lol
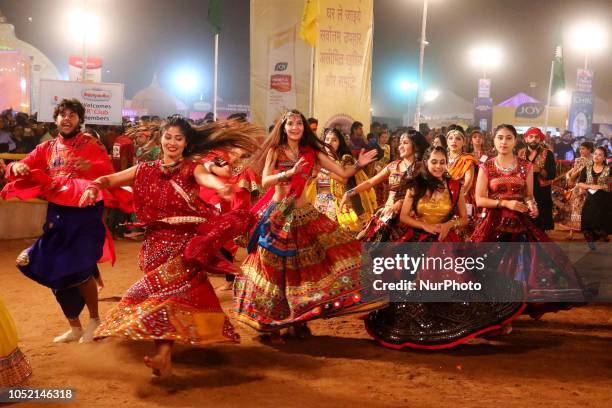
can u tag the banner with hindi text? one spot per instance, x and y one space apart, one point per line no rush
343 62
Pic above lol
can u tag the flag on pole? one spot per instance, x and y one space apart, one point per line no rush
558 75
308 30
214 16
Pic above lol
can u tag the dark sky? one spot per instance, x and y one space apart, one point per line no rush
146 36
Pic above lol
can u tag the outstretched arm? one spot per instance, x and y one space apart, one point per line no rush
364 159
122 178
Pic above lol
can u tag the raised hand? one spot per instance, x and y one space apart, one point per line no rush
297 168
366 158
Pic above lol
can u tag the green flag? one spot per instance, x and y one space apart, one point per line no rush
214 16
558 76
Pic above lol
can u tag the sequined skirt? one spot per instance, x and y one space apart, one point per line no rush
381 229
429 325
173 301
303 268
545 269
438 325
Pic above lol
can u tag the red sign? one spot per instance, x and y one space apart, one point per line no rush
92 62
281 83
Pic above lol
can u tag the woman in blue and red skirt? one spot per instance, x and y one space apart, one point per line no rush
301 265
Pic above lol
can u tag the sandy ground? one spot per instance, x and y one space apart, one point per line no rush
563 360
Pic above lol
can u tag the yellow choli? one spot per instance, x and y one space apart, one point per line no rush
434 211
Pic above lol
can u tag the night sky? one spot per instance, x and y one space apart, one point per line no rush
142 37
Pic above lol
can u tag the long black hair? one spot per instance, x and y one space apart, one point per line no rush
424 182
225 134
215 135
419 142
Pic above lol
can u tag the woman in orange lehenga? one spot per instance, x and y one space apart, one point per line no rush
461 168
175 301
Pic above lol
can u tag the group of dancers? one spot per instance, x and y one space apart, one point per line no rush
304 233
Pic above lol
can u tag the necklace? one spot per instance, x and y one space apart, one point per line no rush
295 153
505 169
452 160
170 167
408 166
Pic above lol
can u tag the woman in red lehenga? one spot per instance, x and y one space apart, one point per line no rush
504 189
175 301
301 265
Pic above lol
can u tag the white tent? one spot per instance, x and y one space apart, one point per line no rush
156 101
447 107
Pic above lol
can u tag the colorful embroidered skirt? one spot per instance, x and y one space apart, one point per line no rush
14 368
174 300
304 267
170 303
381 229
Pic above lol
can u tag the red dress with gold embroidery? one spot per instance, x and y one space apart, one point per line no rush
546 271
175 300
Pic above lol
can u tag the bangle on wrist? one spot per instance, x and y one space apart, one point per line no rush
498 204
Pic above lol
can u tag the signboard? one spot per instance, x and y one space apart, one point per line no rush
281 71
581 114
75 69
484 88
280 63
343 62
584 80
483 113
103 102
530 114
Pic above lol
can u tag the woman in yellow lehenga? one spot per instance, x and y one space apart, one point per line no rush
327 189
14 368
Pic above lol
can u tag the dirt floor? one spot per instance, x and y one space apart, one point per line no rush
563 360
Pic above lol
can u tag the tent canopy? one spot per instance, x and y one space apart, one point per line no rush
517 100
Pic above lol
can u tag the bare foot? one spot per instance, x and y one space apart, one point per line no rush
162 367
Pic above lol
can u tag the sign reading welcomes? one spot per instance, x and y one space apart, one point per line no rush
103 102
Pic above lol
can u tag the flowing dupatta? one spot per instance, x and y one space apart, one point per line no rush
284 207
